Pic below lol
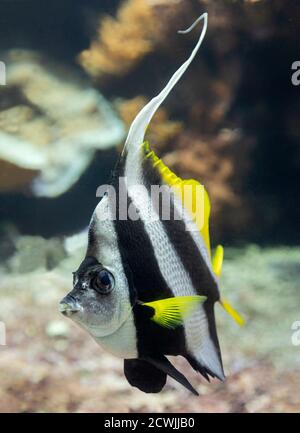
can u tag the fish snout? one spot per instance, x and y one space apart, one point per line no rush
69 305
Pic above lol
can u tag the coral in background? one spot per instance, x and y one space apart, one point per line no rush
122 41
208 159
217 161
51 125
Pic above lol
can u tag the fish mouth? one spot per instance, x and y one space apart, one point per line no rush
66 310
69 306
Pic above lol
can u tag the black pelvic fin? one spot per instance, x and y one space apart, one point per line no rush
144 376
165 365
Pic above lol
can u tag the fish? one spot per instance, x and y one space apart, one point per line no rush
147 286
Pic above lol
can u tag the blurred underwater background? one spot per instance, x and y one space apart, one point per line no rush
77 72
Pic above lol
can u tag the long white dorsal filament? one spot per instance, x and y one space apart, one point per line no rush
138 127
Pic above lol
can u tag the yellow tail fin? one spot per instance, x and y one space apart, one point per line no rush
232 312
171 312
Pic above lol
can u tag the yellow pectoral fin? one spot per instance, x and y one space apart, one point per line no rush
232 312
171 312
217 260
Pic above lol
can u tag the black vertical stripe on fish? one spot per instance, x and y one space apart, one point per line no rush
148 284
210 312
198 271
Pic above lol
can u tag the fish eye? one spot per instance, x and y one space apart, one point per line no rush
103 282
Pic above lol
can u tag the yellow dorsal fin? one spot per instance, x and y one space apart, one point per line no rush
188 196
171 312
217 260
232 312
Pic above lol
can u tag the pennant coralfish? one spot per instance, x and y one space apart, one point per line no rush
147 286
